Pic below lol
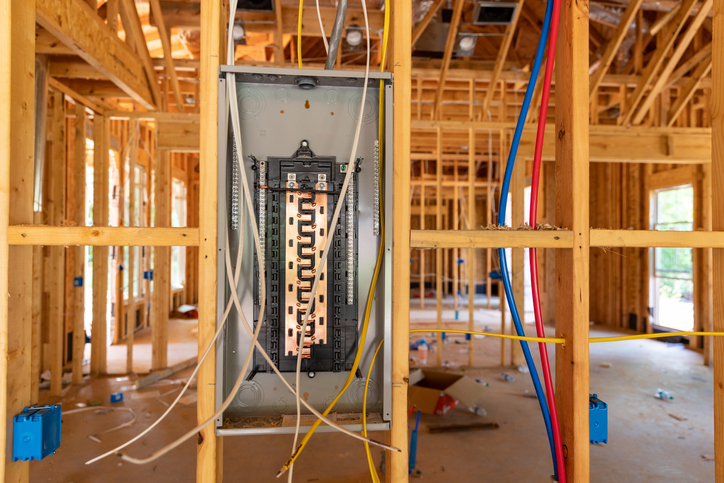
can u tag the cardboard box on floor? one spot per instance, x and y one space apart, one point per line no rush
437 392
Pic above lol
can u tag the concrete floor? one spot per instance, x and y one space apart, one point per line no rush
649 440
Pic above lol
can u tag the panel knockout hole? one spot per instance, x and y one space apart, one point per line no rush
306 104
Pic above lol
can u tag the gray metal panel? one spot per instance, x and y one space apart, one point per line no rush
275 116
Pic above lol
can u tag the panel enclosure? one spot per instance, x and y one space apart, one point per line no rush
296 145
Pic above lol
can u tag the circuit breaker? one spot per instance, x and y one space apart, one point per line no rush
297 130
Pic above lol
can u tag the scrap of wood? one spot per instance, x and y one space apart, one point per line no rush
456 428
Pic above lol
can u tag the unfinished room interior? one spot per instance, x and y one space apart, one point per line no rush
508 215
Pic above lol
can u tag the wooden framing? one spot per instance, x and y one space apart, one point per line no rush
166 44
56 208
717 171
569 141
17 74
397 468
209 449
162 263
79 262
83 31
572 184
101 139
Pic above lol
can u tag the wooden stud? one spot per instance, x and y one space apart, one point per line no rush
470 262
101 143
79 262
132 209
162 263
572 182
439 253
102 236
397 469
517 268
209 452
17 72
717 175
56 208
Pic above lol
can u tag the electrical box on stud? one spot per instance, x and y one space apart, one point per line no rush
36 432
297 135
597 420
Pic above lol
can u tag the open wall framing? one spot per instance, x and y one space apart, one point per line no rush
682 136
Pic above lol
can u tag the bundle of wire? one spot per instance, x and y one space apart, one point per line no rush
552 8
233 279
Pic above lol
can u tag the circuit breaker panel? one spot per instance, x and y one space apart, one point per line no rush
297 132
295 199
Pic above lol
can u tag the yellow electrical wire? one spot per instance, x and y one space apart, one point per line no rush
659 335
299 34
370 461
549 340
380 254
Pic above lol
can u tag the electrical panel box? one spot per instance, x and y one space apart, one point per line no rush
598 420
297 131
36 432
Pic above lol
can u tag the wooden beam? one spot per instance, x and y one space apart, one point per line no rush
136 37
438 253
17 94
101 145
434 239
83 31
652 68
687 65
644 238
449 46
56 209
74 68
397 469
209 450
59 86
178 137
47 43
502 55
79 263
103 236
572 270
679 51
613 45
167 54
420 27
661 22
701 71
717 176
166 117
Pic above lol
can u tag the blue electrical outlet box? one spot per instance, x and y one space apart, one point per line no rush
36 432
597 420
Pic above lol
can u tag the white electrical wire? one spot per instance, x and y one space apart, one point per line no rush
330 231
321 27
233 278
